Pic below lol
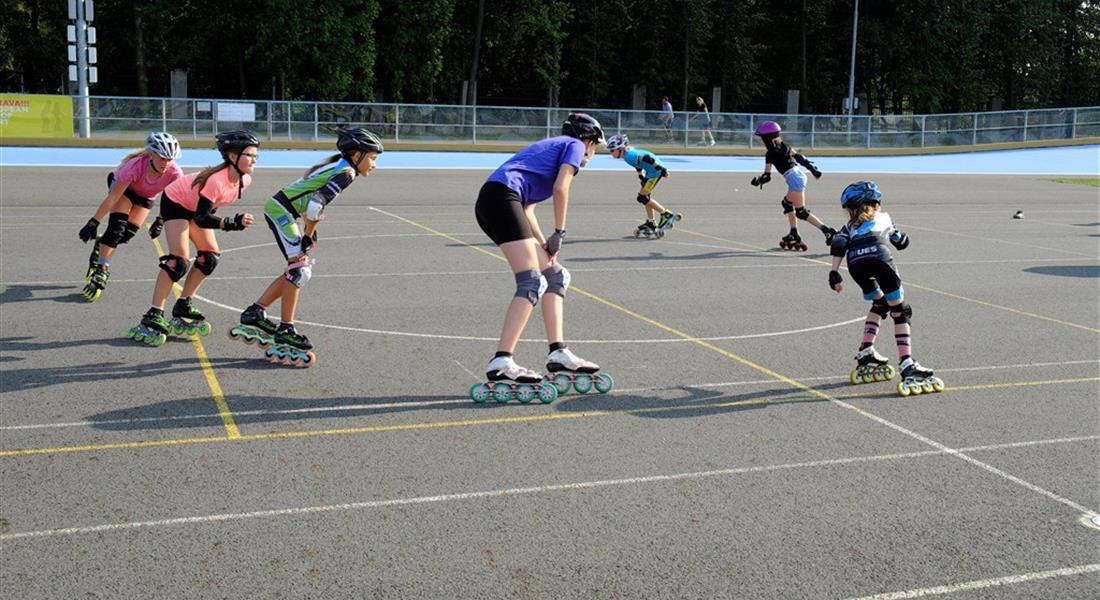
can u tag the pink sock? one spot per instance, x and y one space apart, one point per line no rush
870 328
904 341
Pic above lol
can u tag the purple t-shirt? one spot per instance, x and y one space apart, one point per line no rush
533 170
134 175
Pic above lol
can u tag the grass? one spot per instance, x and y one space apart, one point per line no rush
1093 181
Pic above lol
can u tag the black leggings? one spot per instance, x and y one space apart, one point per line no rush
499 212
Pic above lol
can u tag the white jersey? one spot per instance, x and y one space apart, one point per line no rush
868 239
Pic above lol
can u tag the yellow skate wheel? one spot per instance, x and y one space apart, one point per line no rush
890 372
938 385
903 389
854 377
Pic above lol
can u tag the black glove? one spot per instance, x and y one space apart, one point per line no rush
899 240
814 171
641 175
309 241
553 243
762 179
89 231
834 279
156 227
234 224
663 171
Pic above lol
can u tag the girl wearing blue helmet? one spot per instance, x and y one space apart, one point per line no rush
863 242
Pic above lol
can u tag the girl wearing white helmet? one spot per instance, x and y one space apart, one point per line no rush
651 171
132 189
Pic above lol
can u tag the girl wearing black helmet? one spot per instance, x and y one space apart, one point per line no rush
131 190
306 198
188 207
863 242
505 211
786 160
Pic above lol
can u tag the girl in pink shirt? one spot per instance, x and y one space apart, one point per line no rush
187 208
131 191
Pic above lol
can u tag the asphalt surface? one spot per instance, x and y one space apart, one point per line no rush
732 459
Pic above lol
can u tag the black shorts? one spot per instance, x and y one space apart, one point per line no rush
134 198
499 212
873 275
170 210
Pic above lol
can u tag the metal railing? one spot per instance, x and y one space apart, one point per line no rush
113 117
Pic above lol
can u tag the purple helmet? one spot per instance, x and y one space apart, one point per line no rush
768 129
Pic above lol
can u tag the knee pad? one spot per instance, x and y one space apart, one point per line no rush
128 234
177 271
206 261
299 272
530 285
787 206
902 313
557 279
880 307
802 213
116 230
643 199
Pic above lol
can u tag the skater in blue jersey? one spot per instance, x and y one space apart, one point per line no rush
651 171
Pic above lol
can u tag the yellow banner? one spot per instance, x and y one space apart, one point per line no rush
33 116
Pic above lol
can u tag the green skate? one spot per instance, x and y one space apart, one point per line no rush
96 283
152 330
188 320
255 328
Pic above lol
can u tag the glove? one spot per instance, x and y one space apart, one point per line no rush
89 231
156 227
762 179
641 175
663 171
234 224
309 241
553 243
835 279
899 240
814 171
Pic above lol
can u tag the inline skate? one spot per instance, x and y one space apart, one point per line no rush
646 230
793 241
255 328
916 379
152 330
668 219
871 366
290 348
188 320
508 380
567 369
96 283
93 261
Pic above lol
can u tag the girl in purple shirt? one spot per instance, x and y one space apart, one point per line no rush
132 189
505 211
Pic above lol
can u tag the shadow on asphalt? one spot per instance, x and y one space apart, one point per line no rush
26 293
1086 271
25 379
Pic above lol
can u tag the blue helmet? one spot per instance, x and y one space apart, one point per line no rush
860 193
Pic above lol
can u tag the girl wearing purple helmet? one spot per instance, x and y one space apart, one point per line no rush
787 160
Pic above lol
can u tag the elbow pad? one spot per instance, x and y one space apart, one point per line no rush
315 210
839 246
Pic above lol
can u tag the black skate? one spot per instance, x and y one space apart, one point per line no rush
793 241
291 348
668 219
647 230
871 366
188 320
255 328
916 379
508 380
96 283
93 261
152 330
567 369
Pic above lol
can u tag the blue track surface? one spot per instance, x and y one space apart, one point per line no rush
1071 160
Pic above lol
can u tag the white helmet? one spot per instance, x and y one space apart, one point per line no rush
163 144
617 141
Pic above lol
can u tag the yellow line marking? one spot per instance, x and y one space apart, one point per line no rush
908 283
231 429
796 397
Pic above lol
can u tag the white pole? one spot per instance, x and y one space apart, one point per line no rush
82 70
852 65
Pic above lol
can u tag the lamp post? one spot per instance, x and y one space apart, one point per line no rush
852 66
82 51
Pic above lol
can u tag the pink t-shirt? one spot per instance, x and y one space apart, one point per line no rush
218 189
135 176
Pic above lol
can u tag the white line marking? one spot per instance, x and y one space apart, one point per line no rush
985 583
988 239
471 373
585 485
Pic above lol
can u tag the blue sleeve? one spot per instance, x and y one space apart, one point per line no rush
573 154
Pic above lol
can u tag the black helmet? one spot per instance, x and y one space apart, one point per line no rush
356 138
582 127
235 141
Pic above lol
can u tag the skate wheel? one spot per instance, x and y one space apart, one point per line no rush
232 333
877 376
854 377
582 383
903 389
890 372
803 247
937 384
547 393
156 340
480 393
502 392
525 393
927 387
867 378
307 360
205 329
604 383
562 382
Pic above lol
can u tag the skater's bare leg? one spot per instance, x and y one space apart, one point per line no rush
204 241
798 199
553 305
176 236
521 256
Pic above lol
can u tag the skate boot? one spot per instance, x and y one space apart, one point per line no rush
291 348
152 330
871 366
793 241
186 319
508 380
96 283
668 219
916 379
255 328
830 233
568 369
93 261
646 230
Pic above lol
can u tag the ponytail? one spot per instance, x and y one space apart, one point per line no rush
205 174
863 213
132 155
327 161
